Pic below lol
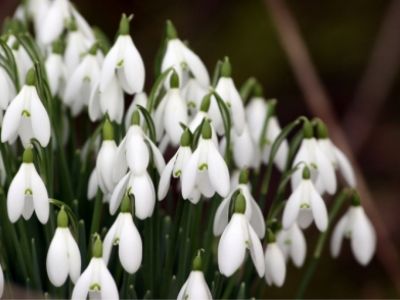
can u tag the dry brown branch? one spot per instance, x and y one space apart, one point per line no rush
319 104
377 80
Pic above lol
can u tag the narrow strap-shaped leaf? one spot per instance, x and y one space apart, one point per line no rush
268 115
226 118
10 59
149 122
151 105
247 88
216 73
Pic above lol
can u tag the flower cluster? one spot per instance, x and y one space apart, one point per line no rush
64 88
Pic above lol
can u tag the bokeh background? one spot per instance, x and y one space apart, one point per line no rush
342 37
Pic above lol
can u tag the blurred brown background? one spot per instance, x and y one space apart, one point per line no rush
341 37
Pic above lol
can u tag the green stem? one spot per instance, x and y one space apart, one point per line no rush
312 265
98 205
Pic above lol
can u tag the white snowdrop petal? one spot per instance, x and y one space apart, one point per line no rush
257 219
40 120
53 23
130 245
196 66
165 179
12 117
92 185
218 172
221 216
108 68
143 190
110 238
182 291
298 247
363 237
133 69
326 171
109 289
305 218
74 257
137 154
40 197
57 259
338 235
189 174
232 246
1 281
157 156
175 112
16 195
292 209
275 265
118 193
196 287
81 288
345 167
318 208
256 252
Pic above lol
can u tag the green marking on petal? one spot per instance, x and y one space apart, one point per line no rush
28 192
203 167
26 113
95 287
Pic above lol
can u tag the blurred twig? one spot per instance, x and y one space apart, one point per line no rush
319 104
377 80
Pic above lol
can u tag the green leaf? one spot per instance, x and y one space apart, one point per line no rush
226 118
217 71
149 122
158 85
247 88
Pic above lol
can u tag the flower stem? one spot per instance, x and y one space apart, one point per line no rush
312 265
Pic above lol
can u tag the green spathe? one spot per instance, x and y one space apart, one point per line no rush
240 204
27 157
124 24
186 138
108 131
62 218
30 78
206 131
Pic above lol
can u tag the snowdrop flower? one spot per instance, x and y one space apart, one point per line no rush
135 150
63 258
110 102
26 116
257 112
182 59
335 155
305 205
193 92
171 112
175 165
238 236
195 287
7 89
322 171
226 89
253 212
82 82
103 173
27 192
356 226
125 60
37 10
96 281
275 266
138 99
56 70
124 234
293 244
205 168
22 59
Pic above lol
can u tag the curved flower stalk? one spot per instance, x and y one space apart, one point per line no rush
134 152
27 192
193 92
124 234
338 159
205 170
175 166
293 244
63 257
26 116
195 287
53 21
275 266
236 238
305 205
82 82
253 212
76 47
56 69
322 170
138 99
96 281
257 112
226 89
102 175
171 112
182 59
356 226
123 59
7 87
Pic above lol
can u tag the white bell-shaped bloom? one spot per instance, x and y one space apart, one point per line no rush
135 150
175 166
124 234
205 168
305 205
76 47
96 282
253 212
322 170
238 236
293 244
7 89
256 113
355 226
56 73
227 90
108 102
27 193
195 287
26 116
63 257
125 60
193 92
22 59
138 99
182 59
82 82
275 266
171 112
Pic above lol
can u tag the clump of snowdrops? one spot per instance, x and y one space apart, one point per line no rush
107 191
